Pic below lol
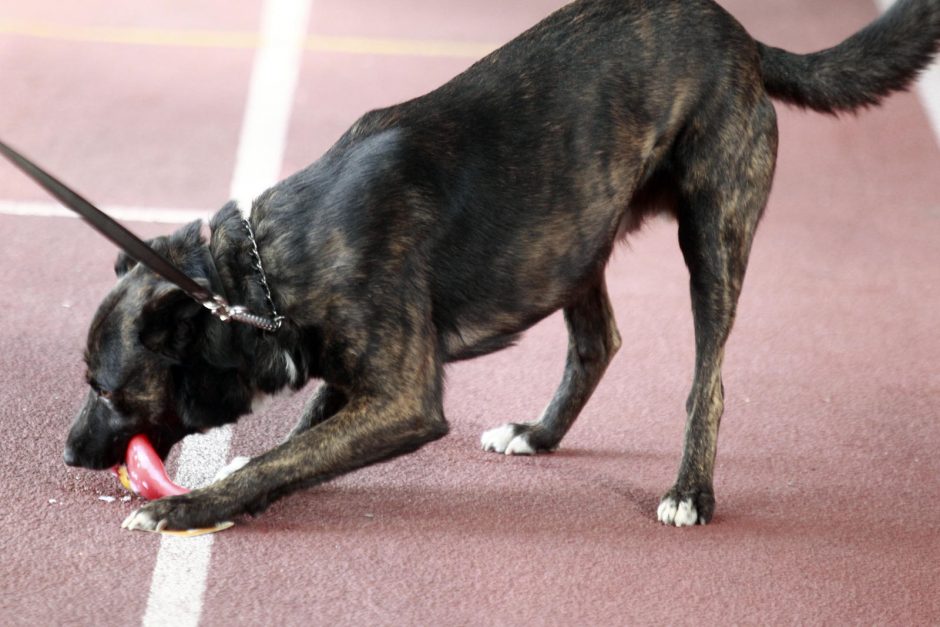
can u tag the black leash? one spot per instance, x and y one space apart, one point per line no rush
140 250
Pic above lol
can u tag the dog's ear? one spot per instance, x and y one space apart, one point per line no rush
169 322
176 247
123 264
169 317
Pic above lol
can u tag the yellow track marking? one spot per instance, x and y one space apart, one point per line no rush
405 47
242 39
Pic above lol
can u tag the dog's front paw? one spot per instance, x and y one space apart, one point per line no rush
187 511
515 439
686 508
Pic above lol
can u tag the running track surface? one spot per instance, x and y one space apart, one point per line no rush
827 476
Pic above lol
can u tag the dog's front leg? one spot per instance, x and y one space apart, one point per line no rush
368 429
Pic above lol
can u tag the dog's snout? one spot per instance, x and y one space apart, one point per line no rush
69 456
94 440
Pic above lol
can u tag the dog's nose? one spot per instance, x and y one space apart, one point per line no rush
69 457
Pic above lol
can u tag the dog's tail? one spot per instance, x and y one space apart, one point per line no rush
882 58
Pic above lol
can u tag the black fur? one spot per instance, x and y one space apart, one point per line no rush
880 59
441 228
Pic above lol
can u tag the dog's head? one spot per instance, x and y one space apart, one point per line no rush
154 365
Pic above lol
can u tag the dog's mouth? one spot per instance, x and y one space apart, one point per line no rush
79 456
92 448
164 438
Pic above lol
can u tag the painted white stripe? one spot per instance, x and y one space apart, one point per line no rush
179 578
124 214
928 86
270 98
929 89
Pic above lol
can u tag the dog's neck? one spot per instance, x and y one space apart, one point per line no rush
230 247
271 361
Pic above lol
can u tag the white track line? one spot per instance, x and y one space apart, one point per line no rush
179 575
928 86
125 214
182 567
270 99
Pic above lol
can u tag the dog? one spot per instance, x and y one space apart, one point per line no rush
441 228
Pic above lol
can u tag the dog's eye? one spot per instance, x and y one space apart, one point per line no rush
100 391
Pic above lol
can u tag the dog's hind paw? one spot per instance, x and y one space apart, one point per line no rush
686 510
512 439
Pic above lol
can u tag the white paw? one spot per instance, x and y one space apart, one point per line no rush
682 514
519 445
498 439
504 440
236 464
142 521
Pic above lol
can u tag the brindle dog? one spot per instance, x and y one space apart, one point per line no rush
441 228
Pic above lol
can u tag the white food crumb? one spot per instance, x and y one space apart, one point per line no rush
125 499
107 499
52 500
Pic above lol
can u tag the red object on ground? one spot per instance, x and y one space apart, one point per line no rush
146 474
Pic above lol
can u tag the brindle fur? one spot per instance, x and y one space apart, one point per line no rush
441 228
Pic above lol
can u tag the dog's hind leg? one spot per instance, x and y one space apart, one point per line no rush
723 191
592 342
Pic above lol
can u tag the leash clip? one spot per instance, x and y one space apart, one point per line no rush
221 309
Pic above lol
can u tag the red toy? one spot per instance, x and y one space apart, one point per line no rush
144 472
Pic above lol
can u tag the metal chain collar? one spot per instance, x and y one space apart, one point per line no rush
225 312
276 319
